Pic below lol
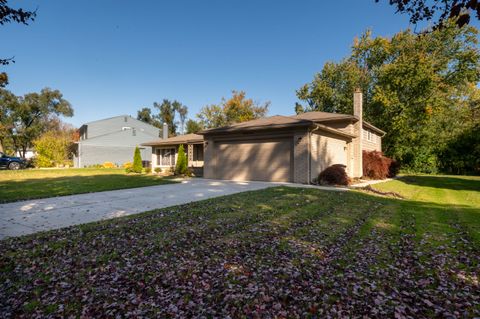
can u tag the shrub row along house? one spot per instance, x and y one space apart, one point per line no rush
278 148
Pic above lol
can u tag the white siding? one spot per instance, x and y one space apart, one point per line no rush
371 141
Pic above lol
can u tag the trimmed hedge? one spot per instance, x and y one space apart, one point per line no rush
378 166
334 175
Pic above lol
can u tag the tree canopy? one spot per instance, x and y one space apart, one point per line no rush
234 110
145 115
166 112
193 126
439 10
25 118
55 147
421 90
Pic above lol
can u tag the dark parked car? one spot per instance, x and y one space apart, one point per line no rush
11 162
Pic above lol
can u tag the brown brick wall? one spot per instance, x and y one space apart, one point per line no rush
301 143
209 159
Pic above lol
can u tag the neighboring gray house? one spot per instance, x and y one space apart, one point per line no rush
113 140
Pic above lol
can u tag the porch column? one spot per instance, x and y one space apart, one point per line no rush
154 159
190 155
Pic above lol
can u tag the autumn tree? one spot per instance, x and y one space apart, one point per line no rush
234 110
55 147
25 118
418 89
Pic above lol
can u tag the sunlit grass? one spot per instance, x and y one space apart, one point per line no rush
41 183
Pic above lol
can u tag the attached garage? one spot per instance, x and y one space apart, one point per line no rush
261 160
286 148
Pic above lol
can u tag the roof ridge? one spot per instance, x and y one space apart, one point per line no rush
107 118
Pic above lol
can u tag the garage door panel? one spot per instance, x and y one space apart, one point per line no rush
267 160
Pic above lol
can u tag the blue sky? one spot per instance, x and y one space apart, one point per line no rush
113 57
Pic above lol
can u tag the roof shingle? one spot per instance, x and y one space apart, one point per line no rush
176 140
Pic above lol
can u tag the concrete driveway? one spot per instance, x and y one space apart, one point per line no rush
31 216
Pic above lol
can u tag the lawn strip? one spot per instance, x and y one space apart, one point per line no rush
37 183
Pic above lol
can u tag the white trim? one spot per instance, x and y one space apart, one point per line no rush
159 157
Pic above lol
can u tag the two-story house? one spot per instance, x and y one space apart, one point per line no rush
113 140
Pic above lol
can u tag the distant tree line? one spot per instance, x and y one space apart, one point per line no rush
165 112
34 121
236 109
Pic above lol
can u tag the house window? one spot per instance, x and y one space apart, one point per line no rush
126 128
370 136
198 152
166 157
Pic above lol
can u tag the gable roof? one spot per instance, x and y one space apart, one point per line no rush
176 140
129 117
280 121
131 137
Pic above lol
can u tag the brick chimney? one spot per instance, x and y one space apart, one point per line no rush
165 131
358 104
358 132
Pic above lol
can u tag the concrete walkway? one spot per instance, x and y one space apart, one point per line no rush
31 216
365 183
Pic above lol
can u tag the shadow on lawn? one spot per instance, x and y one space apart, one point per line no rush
450 182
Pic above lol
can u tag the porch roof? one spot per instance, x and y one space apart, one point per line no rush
177 140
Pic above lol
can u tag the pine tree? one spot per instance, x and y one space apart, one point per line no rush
137 161
181 167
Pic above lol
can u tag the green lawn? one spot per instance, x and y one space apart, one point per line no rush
36 183
281 252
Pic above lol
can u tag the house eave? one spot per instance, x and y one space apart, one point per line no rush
171 143
374 128
333 131
256 128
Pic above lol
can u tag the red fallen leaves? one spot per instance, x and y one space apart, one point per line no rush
235 263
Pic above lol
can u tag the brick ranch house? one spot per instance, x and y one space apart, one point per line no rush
278 148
